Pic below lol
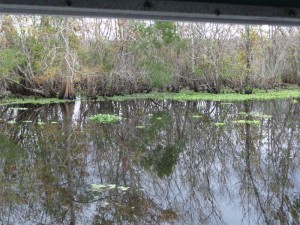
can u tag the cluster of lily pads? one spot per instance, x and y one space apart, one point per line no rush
29 121
105 118
245 121
255 114
102 187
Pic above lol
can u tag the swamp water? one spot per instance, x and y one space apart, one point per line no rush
165 162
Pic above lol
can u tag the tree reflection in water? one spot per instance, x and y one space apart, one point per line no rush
164 163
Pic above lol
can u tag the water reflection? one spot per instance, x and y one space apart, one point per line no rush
164 163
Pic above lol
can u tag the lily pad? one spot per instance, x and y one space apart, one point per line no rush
196 116
102 187
252 122
20 108
219 124
122 188
105 118
111 186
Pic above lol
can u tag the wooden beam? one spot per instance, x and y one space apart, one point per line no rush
230 11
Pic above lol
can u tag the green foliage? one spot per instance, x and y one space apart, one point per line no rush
160 74
159 46
10 58
105 118
98 55
167 31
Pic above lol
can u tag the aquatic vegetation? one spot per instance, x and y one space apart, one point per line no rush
261 115
243 113
219 124
259 95
21 108
97 186
255 114
102 187
196 116
37 101
111 186
105 118
252 122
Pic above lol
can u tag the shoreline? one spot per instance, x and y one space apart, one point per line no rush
258 95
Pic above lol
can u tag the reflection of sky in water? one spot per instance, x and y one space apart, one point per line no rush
207 182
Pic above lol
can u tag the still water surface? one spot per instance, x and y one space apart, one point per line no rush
165 163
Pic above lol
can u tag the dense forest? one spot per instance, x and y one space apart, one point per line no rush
60 56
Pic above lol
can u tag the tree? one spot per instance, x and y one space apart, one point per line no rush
67 86
9 59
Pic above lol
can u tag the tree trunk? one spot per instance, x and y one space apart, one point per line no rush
297 66
3 88
248 88
67 112
67 86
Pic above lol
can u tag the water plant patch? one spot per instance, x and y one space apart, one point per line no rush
105 118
